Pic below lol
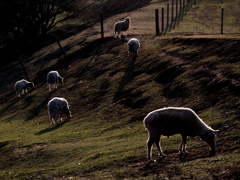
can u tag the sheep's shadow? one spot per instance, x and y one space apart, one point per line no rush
116 42
38 109
126 79
52 128
190 158
163 161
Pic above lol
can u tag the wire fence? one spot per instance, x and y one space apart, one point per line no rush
180 17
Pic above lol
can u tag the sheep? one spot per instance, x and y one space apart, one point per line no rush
21 86
121 26
133 47
170 121
58 106
52 78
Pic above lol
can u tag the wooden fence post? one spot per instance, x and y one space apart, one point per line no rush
101 18
162 20
172 9
157 21
176 9
180 6
183 6
222 22
167 14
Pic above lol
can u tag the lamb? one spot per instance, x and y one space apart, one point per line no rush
52 78
133 47
58 106
21 87
121 26
170 121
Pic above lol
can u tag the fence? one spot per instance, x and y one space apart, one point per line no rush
171 13
212 18
178 8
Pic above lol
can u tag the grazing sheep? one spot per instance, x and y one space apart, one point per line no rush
52 78
21 87
121 26
58 106
133 47
170 121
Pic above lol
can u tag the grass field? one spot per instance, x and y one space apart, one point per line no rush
110 95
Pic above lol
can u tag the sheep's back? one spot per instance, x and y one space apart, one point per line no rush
133 44
171 121
61 103
52 77
20 84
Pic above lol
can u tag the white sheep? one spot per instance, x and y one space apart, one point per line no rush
170 121
121 26
21 86
133 47
58 106
52 78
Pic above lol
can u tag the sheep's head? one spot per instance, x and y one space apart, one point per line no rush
31 85
60 79
209 137
127 19
68 112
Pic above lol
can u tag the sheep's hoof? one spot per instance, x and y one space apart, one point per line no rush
183 155
163 155
186 155
150 160
212 153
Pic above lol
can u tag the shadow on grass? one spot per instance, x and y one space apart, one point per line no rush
52 128
92 48
38 109
126 79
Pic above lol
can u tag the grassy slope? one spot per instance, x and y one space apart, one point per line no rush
110 96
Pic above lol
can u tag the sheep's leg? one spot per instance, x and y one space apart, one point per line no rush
26 91
119 31
55 120
53 117
158 144
49 86
60 116
51 120
183 145
149 148
180 148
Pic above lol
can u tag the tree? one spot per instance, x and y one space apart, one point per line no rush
31 18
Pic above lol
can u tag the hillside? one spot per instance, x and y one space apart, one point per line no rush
110 95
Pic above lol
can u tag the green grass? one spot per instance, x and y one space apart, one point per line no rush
110 96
